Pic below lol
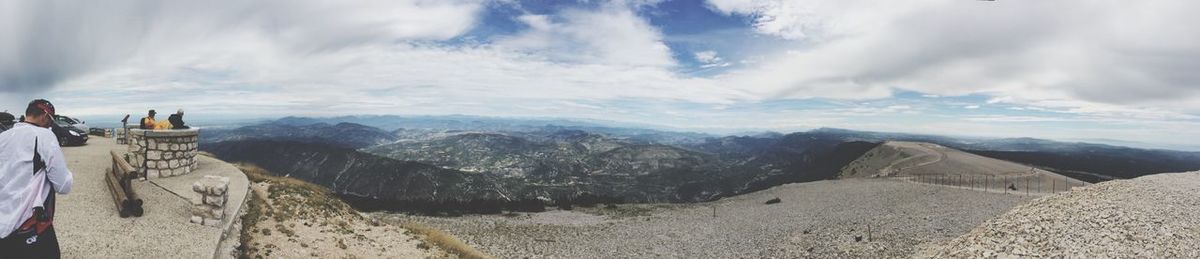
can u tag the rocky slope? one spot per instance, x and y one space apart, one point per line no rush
468 170
823 219
488 166
288 218
1155 216
1085 161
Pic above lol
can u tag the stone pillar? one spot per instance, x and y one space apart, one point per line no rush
163 153
208 208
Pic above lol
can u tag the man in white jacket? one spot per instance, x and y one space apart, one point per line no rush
32 168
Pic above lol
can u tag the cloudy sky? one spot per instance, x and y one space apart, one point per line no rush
1060 69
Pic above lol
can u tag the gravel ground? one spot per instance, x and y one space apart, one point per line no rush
87 224
816 219
1156 216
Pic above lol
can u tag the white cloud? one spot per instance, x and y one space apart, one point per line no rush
710 59
971 107
257 61
408 78
707 57
50 42
1099 64
1090 54
612 35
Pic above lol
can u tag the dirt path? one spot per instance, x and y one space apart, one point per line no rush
926 152
956 169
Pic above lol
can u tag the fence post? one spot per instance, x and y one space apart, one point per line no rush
870 237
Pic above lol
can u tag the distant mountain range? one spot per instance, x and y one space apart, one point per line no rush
487 165
347 135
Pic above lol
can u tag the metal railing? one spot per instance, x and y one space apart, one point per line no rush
1025 184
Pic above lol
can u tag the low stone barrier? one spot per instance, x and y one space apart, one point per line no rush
163 153
208 208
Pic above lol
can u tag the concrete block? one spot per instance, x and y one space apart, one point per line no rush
202 210
212 222
218 212
214 200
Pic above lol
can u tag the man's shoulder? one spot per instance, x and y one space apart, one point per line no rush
25 130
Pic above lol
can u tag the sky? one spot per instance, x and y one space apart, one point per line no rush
1064 69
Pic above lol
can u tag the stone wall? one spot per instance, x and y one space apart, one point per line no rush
208 207
165 153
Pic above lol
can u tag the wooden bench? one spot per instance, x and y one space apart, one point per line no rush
118 178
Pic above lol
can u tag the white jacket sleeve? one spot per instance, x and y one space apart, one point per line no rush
56 164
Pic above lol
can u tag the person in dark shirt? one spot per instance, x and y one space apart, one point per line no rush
177 120
147 122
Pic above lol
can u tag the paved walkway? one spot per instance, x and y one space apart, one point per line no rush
87 221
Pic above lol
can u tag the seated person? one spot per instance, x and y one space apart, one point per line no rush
177 120
148 121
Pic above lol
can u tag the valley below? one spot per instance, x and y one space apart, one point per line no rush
529 191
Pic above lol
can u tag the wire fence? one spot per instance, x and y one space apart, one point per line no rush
1037 184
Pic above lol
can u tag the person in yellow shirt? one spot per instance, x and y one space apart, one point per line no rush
162 125
148 121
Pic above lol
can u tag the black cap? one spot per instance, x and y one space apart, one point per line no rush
152 111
